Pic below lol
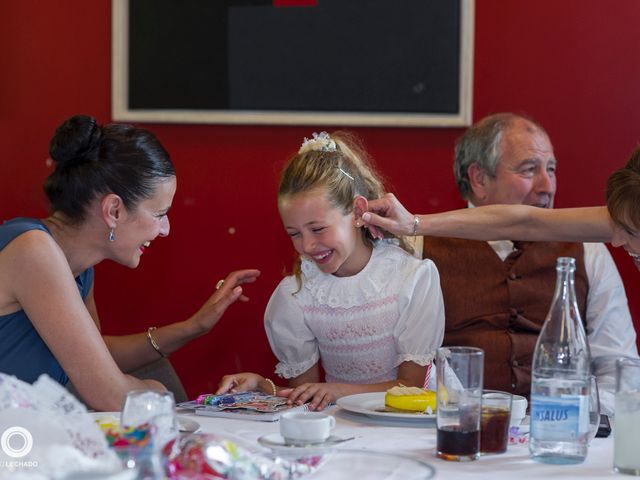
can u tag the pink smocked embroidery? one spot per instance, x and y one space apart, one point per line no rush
356 344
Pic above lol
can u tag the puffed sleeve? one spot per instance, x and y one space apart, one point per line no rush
291 340
420 328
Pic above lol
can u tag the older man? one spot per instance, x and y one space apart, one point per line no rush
497 294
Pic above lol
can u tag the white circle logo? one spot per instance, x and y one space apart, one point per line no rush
16 442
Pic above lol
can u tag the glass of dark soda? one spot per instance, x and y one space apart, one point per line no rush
459 400
494 421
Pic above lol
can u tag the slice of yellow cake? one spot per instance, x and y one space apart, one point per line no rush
410 399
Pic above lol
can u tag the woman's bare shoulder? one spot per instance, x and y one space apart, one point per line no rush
30 258
30 246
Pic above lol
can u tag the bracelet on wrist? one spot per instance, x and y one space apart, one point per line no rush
153 343
273 386
416 222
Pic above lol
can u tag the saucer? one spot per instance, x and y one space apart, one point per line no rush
186 425
275 442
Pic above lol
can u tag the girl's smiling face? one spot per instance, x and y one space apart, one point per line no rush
323 233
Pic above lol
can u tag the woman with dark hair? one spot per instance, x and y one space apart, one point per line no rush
617 223
110 193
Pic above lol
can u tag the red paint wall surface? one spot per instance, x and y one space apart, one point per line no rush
572 65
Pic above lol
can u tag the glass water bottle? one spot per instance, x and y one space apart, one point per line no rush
560 378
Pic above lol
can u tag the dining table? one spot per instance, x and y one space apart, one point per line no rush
374 439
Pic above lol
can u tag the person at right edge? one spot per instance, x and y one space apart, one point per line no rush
497 294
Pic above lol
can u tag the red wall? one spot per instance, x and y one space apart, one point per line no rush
573 65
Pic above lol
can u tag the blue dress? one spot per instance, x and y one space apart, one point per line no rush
23 353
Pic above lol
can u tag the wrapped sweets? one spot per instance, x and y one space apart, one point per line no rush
224 399
118 437
209 456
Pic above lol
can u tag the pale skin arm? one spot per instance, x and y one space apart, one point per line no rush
495 222
43 286
308 388
133 351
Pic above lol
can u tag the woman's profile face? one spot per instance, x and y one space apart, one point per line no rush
629 239
148 221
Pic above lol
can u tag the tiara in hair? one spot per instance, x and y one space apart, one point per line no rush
321 142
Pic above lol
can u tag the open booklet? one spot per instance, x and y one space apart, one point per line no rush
246 406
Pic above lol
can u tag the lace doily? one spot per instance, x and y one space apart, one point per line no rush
55 435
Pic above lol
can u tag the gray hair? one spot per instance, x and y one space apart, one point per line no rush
480 145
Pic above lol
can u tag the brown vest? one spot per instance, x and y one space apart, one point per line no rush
501 306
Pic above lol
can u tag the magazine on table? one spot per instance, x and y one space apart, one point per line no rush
246 406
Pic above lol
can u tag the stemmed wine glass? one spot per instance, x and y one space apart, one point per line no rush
158 410
154 407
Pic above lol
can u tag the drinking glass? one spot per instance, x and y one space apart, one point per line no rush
494 421
155 408
144 461
626 431
459 399
594 408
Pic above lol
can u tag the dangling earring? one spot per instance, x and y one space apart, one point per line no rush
112 234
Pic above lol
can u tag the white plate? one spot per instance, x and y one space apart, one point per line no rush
344 464
275 442
185 425
372 405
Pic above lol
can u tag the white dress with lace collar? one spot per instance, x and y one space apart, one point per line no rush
361 327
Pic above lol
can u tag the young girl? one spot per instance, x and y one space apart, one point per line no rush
370 311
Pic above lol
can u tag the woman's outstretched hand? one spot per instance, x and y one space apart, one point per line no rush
388 213
227 292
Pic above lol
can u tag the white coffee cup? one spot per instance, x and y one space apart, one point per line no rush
518 410
302 428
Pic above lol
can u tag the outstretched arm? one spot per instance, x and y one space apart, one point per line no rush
133 351
495 222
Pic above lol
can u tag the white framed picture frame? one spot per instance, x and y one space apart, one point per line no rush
247 100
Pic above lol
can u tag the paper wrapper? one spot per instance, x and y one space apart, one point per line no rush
209 456
518 434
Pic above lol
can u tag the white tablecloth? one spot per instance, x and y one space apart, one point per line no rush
419 440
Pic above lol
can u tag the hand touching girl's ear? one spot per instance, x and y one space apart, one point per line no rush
360 207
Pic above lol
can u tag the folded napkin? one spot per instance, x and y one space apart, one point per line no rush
45 432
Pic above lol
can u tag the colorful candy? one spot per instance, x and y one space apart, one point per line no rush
209 456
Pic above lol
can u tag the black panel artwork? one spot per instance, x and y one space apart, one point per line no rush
355 57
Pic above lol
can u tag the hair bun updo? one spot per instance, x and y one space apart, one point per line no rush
94 160
75 141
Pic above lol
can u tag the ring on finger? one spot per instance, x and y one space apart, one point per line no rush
219 284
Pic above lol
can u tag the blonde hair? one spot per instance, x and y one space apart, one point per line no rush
623 193
345 172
